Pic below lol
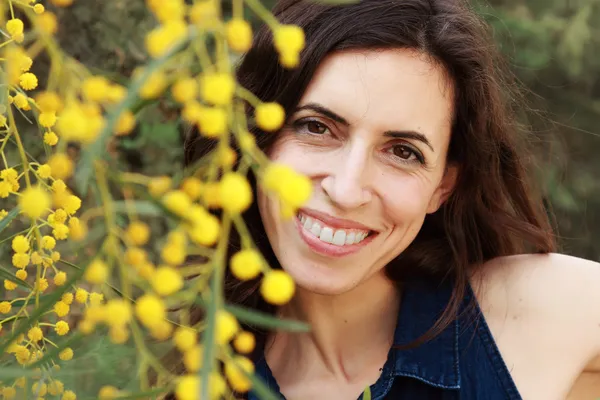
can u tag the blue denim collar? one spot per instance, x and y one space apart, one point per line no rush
435 362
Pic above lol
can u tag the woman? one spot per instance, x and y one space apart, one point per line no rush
423 260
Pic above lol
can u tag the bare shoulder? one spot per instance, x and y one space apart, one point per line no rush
552 293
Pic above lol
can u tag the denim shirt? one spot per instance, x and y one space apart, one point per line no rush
462 362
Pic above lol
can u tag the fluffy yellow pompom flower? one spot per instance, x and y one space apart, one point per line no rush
184 338
44 171
50 138
39 388
96 272
48 242
62 166
206 227
188 387
236 193
150 310
47 119
56 387
118 312
138 233
294 189
177 201
154 85
8 392
277 287
28 81
15 27
205 14
246 264
67 298
60 278
5 307
35 334
81 295
217 88
234 371
20 244
95 88
49 102
21 274
213 122
39 9
161 40
60 231
125 123
269 116
62 328
227 327
192 187
61 308
159 185
244 342
166 281
20 260
35 202
9 285
239 35
289 41
41 284
184 89
66 354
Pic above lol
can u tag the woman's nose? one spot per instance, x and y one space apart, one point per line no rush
346 184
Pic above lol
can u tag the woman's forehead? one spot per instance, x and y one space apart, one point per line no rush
386 90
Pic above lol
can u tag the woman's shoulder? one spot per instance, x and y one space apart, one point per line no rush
555 297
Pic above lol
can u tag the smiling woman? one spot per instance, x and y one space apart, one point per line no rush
413 257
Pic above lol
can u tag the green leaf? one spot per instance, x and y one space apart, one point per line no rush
12 372
93 151
266 320
140 207
367 394
11 277
9 217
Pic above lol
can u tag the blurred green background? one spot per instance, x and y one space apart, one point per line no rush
553 46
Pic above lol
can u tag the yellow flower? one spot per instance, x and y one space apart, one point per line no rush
173 254
22 354
47 23
74 124
9 285
55 256
246 264
77 229
217 88
9 392
227 327
234 371
21 274
44 171
50 138
5 307
95 88
96 272
184 338
166 281
48 102
277 287
167 10
73 204
269 116
205 229
162 331
108 393
55 387
244 342
205 14
28 81
96 299
159 185
192 358
5 189
14 27
66 354
60 231
39 389
138 233
192 112
118 312
135 256
3 121
125 123
60 278
153 86
20 244
62 166
81 295
236 193
150 310
161 40
239 35
62 328
61 308
20 260
289 41
41 284
184 89
227 156
34 202
294 189
67 298
188 387
59 186
192 187
47 119
20 100
39 9
213 122
35 334
177 201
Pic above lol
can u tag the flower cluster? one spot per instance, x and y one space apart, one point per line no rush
125 281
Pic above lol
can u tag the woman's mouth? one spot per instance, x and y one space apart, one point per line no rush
330 240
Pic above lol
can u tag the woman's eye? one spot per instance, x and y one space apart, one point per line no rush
406 153
313 127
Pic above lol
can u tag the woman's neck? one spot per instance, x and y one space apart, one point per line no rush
350 333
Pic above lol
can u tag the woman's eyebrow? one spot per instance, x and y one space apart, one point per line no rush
403 134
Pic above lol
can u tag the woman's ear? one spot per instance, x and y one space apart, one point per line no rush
444 189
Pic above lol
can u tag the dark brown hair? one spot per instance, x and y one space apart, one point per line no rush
492 212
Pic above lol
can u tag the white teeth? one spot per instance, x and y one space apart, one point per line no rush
326 235
350 238
316 229
339 238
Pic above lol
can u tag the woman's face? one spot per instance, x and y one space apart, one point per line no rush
372 133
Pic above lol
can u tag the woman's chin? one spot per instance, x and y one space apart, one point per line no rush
322 280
